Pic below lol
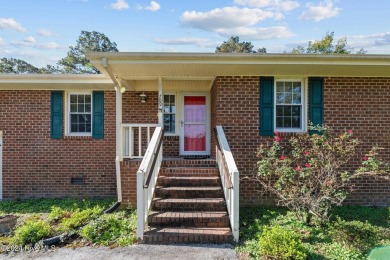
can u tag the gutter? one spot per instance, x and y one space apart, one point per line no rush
118 119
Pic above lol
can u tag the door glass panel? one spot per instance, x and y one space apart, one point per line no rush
195 109
195 138
195 123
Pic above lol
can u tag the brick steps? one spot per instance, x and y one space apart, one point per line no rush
179 204
188 172
189 219
188 192
188 181
188 235
188 205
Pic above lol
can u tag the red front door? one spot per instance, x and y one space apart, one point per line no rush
195 125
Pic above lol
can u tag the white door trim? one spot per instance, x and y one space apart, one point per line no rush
1 165
207 152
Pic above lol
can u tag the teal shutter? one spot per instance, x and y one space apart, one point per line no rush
266 106
316 107
98 115
56 114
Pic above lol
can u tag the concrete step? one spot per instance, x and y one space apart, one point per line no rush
197 204
170 235
188 181
188 219
189 192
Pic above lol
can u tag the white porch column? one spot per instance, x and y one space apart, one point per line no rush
160 102
119 148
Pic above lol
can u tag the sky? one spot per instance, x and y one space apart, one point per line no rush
41 31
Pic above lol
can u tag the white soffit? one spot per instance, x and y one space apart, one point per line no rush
135 66
55 82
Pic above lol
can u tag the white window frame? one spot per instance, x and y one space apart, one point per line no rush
303 104
67 115
176 114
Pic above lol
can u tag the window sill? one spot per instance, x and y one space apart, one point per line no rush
84 137
290 131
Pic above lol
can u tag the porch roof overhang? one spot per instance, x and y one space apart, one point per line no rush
55 82
130 66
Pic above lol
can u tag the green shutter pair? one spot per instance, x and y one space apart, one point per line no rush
57 114
316 106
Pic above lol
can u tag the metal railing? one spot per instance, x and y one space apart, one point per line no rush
147 175
229 178
136 138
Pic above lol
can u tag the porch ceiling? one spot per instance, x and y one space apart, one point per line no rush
206 66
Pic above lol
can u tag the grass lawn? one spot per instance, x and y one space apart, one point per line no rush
81 220
350 234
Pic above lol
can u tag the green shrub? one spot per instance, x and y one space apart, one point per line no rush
57 214
280 243
79 218
31 232
116 228
336 251
357 234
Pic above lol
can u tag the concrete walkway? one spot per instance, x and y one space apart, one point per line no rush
161 252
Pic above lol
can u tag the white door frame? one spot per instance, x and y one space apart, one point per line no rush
207 152
1 165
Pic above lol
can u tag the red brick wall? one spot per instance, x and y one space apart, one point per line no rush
360 104
36 166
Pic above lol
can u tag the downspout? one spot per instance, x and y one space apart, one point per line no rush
118 138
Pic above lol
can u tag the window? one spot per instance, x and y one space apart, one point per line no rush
289 109
170 114
80 116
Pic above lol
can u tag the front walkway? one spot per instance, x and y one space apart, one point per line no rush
142 251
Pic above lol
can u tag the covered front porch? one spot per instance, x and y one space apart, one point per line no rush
167 161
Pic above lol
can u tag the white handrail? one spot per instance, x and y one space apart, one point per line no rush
149 168
228 169
129 134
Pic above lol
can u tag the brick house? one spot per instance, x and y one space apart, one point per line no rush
92 135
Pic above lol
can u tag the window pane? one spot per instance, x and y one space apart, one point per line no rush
279 111
73 98
279 86
82 128
80 98
81 119
288 98
287 111
279 122
296 122
173 123
73 108
88 108
287 122
73 119
296 111
280 97
169 113
80 108
80 113
297 98
288 86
